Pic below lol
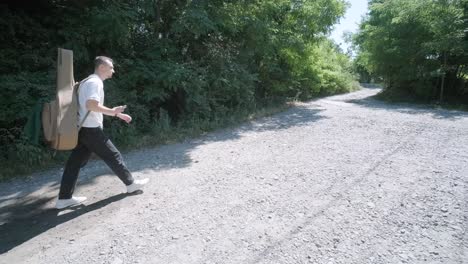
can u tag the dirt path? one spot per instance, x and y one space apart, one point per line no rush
344 179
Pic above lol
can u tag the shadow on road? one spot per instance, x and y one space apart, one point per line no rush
409 108
25 205
30 222
296 116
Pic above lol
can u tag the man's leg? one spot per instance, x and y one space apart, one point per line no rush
78 158
98 143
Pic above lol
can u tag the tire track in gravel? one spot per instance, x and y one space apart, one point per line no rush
388 257
340 191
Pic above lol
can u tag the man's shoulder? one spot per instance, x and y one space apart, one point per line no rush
92 80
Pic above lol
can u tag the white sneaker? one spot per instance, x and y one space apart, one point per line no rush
64 203
137 185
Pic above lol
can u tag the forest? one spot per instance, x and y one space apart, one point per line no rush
186 67
182 67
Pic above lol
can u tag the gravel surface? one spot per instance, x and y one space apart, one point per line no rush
343 179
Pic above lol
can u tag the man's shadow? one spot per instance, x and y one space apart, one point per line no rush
19 230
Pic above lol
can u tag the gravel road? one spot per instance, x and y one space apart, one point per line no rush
342 179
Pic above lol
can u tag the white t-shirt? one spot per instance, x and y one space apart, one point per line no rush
93 88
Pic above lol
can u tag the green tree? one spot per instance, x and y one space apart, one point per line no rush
176 61
416 45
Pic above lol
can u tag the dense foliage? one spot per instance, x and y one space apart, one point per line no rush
176 61
418 46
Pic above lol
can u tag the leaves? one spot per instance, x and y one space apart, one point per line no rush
406 42
178 60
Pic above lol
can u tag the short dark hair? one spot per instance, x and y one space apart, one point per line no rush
102 60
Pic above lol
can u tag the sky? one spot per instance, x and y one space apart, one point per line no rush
349 22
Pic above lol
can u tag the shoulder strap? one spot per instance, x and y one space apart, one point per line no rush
84 119
77 89
81 82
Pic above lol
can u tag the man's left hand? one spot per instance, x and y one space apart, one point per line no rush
125 117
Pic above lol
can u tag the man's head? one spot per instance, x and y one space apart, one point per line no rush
104 67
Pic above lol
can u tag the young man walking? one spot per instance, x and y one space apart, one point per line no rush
91 138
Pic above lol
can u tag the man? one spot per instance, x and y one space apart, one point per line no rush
91 138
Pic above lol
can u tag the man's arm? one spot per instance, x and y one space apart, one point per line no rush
93 105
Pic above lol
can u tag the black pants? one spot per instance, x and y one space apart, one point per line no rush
92 140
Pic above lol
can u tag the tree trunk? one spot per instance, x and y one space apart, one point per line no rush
441 97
